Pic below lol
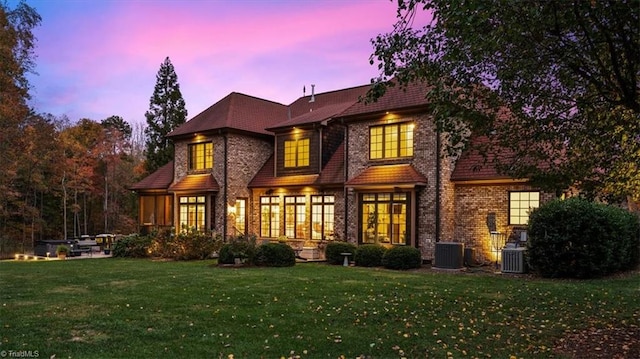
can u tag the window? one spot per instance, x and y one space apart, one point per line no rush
156 210
385 218
270 217
192 213
295 217
521 204
201 156
391 141
296 153
322 212
240 216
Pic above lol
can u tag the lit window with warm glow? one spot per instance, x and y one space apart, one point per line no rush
391 141
521 204
295 217
270 216
385 218
201 156
296 153
192 213
322 217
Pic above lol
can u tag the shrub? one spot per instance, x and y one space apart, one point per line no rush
275 255
402 257
133 246
369 255
184 245
581 239
333 250
239 247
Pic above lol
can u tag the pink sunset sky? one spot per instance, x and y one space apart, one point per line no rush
100 58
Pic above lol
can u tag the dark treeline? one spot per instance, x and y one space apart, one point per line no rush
69 179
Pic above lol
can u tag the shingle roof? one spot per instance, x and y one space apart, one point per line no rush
265 178
199 183
401 174
395 98
235 111
158 180
333 171
351 95
332 174
471 166
324 106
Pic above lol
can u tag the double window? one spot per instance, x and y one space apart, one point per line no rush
201 156
391 141
296 153
192 213
520 205
385 218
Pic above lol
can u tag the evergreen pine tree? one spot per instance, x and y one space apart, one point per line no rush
166 112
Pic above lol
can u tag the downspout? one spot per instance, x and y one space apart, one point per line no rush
438 170
320 154
346 178
225 188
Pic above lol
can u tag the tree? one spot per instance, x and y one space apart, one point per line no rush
16 60
553 85
166 112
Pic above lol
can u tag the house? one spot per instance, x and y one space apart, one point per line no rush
330 167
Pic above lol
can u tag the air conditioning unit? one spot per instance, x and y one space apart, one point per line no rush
513 260
449 255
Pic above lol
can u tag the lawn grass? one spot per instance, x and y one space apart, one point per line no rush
120 308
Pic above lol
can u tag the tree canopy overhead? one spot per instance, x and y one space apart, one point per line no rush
568 71
167 110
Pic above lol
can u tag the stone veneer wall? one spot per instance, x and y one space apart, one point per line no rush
473 203
424 160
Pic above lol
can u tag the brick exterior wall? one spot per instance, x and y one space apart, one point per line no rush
246 155
472 205
424 160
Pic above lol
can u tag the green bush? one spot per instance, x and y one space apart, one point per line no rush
576 238
275 255
333 250
239 247
369 255
402 257
133 246
184 245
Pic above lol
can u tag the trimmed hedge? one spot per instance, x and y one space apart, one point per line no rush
369 255
275 255
333 250
576 238
402 257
